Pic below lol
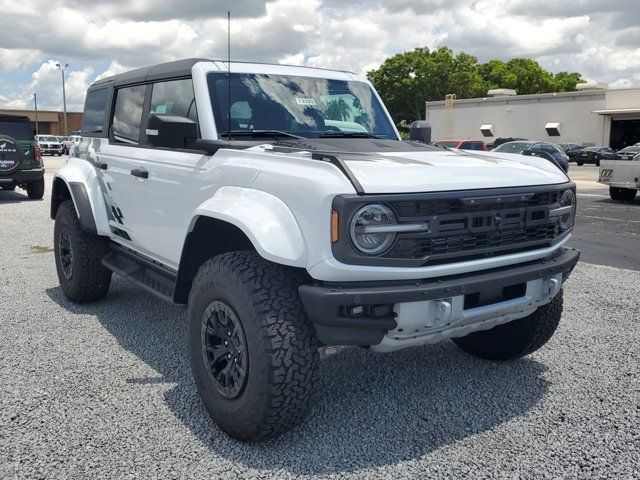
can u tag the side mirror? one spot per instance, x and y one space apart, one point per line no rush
171 131
420 131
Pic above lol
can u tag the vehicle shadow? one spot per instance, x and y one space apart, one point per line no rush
13 196
374 410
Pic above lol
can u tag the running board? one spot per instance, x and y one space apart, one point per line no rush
149 275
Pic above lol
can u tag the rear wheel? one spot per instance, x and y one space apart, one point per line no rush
622 194
253 352
517 338
580 163
78 254
35 189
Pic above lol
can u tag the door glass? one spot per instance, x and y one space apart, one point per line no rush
174 98
127 114
94 108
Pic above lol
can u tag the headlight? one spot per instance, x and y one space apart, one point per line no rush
369 228
567 210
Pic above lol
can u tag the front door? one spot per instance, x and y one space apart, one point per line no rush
154 190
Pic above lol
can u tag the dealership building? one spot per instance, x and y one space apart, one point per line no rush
49 122
593 115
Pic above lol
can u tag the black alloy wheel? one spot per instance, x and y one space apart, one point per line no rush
66 254
224 347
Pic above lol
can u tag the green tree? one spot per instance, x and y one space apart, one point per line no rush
407 80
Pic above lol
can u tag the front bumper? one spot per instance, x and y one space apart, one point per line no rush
397 315
20 176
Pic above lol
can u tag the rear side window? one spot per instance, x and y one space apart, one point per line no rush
94 111
17 130
127 113
175 97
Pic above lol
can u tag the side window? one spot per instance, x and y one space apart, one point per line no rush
127 113
94 109
175 97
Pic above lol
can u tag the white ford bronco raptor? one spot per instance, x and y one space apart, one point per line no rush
281 205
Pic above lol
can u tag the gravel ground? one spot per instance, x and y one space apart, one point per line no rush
104 391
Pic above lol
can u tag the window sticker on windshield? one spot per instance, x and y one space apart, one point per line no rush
306 101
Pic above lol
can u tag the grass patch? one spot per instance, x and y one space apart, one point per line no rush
40 249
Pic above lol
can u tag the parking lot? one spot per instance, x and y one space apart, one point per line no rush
105 391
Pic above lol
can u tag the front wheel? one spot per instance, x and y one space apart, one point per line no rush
580 163
79 255
35 189
253 352
622 194
517 338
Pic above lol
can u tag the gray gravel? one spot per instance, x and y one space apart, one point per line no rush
104 391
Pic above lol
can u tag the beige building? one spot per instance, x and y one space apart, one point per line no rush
48 121
593 115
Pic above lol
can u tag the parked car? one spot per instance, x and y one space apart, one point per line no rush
65 143
20 157
50 144
621 176
572 150
537 149
463 144
594 155
500 140
290 232
628 153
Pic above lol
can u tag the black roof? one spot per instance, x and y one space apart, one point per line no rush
176 69
179 68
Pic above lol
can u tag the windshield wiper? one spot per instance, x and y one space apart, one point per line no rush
336 134
259 133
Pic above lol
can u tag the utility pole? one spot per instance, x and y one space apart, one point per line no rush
35 103
64 96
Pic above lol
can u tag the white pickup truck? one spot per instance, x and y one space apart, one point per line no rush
622 176
281 205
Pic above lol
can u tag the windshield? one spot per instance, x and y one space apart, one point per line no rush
511 147
17 130
47 138
305 106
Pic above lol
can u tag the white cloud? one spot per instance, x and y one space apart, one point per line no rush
595 37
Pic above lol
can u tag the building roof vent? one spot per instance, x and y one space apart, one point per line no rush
501 92
588 86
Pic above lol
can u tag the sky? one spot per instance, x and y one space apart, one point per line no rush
97 38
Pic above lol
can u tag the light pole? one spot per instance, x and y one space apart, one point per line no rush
64 95
35 103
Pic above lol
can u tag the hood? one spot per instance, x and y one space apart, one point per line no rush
446 170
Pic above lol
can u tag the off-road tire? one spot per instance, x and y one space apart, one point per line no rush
9 188
517 338
622 194
89 280
35 189
281 345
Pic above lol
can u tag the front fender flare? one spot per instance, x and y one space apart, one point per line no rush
263 218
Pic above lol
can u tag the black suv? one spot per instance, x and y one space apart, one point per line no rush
551 152
20 157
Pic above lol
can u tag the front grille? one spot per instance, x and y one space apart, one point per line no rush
470 227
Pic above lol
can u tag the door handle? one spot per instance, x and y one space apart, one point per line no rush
140 173
101 165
